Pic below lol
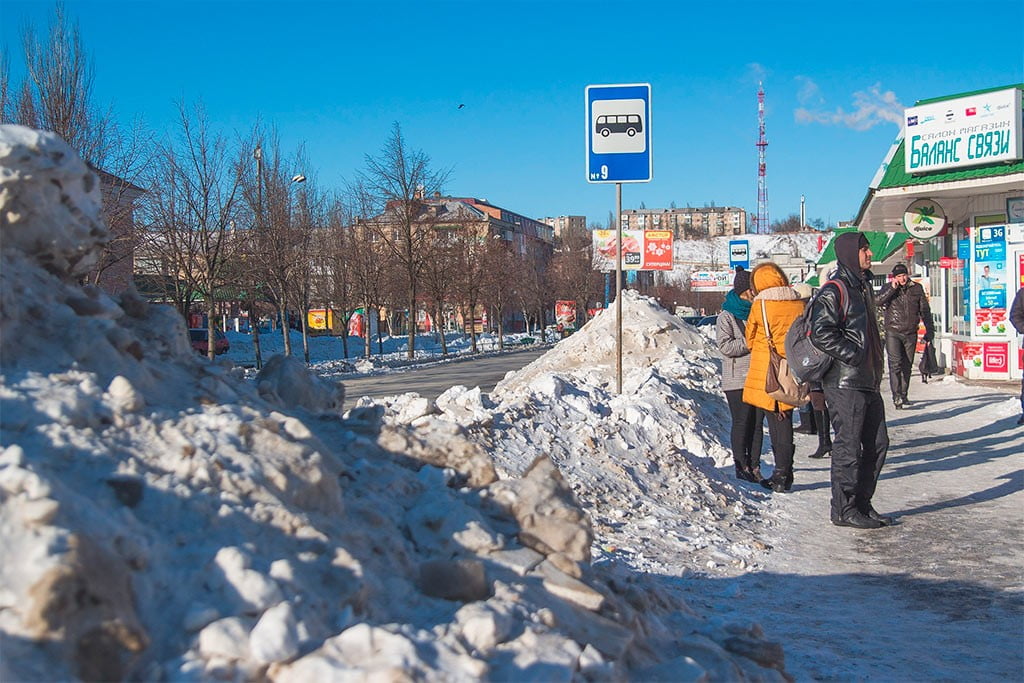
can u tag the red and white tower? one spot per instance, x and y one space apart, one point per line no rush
761 222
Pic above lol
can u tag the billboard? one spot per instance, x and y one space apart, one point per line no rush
641 250
711 280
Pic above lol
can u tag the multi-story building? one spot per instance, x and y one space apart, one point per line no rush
710 221
563 223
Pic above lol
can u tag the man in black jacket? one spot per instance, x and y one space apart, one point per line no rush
1017 320
844 325
905 304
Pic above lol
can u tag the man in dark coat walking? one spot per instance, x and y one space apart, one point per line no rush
905 304
844 325
1017 320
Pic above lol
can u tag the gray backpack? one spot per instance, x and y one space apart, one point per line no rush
806 361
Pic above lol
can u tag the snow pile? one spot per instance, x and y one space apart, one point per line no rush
162 519
643 463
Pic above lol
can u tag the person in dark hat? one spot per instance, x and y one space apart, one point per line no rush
844 325
905 303
747 434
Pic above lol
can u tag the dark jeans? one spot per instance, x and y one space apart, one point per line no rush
900 350
858 448
747 435
780 430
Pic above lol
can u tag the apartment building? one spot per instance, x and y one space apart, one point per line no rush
563 223
709 221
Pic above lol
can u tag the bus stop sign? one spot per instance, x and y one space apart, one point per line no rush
619 133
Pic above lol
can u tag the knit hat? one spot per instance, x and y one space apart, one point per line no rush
899 269
741 282
847 247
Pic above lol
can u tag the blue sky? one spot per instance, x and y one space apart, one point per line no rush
337 75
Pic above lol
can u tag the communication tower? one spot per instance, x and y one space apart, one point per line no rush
761 222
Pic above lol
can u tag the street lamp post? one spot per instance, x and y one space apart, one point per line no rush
253 317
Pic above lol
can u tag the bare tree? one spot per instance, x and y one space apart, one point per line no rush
571 274
392 188
469 247
57 95
440 281
196 201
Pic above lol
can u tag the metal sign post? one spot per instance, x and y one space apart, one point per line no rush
618 121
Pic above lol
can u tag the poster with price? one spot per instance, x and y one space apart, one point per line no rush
990 281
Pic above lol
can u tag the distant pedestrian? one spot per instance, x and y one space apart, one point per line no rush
776 303
746 435
905 304
844 325
1017 320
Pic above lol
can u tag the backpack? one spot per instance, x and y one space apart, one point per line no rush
807 362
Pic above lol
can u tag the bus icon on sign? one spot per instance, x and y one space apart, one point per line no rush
630 124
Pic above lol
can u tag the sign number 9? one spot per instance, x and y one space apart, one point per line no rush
604 172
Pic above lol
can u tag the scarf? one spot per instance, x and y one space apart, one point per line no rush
737 306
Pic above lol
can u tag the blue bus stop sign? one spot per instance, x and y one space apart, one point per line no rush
619 133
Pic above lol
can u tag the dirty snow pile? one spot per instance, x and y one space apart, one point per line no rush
163 519
643 462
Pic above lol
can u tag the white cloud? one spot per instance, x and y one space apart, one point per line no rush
809 92
757 72
871 107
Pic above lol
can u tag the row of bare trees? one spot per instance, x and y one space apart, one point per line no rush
221 218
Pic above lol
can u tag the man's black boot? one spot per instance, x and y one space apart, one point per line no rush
868 511
857 520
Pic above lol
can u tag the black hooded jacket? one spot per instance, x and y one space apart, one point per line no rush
904 306
848 332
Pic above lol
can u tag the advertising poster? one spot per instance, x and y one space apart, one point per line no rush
963 252
657 250
641 250
565 314
996 358
989 280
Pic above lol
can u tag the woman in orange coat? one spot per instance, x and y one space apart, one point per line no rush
776 300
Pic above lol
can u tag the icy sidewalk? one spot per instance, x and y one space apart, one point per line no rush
938 596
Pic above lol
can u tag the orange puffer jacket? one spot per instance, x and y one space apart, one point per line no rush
782 305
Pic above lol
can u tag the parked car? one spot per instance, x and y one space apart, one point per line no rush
693 319
198 337
707 320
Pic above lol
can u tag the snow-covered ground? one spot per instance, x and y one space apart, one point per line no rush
166 518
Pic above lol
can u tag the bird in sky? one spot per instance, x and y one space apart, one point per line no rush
460 106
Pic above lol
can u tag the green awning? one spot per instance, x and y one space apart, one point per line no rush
883 245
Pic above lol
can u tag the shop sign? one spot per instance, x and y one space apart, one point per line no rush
966 131
950 262
924 219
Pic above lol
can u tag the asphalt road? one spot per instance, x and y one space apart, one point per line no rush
433 380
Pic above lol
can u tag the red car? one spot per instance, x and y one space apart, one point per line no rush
198 337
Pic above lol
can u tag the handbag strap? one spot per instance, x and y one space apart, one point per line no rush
767 330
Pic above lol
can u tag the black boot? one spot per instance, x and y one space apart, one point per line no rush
821 417
779 482
806 423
